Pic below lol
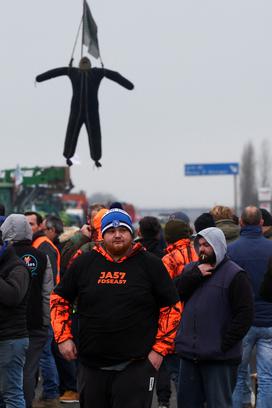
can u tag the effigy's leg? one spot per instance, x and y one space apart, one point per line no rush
72 133
92 123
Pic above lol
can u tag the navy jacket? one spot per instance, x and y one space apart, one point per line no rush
211 325
218 307
252 252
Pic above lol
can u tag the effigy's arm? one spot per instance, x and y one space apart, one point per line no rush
116 77
53 73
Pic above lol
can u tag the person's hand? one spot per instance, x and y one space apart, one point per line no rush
205 269
86 230
68 350
155 359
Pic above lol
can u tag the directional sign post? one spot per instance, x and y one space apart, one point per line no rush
215 169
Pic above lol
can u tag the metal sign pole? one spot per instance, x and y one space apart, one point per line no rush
235 193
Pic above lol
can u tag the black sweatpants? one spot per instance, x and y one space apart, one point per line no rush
163 386
130 388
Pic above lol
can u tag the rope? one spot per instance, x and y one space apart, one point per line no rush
75 43
101 62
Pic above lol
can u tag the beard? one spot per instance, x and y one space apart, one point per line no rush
207 259
118 248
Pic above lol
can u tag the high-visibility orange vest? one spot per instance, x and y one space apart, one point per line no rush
40 241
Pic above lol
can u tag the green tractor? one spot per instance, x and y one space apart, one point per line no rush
37 188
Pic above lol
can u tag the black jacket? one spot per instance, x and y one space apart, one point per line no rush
41 284
14 286
153 245
266 286
48 249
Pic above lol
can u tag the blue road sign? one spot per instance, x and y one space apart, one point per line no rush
211 169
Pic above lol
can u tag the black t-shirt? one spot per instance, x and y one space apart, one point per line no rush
118 305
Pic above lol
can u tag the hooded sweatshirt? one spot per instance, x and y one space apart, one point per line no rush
229 228
16 230
119 306
14 284
218 307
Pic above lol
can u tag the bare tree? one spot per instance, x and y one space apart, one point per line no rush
248 188
264 164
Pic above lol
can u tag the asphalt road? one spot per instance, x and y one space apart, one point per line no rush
173 402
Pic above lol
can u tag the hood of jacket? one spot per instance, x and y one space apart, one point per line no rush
216 238
135 248
229 228
16 228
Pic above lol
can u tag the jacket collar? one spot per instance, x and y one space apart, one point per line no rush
253 231
38 234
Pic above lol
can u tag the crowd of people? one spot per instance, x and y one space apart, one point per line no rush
108 313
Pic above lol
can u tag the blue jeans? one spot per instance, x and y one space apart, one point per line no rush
12 360
67 369
262 338
209 382
49 370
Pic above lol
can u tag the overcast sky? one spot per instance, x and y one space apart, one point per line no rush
202 71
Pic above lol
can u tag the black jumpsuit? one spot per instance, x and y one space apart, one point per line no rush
84 105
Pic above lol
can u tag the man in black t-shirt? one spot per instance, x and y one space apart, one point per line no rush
128 311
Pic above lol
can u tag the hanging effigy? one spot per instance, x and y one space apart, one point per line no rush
85 83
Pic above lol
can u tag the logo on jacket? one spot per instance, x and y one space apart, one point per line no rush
31 262
112 278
